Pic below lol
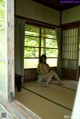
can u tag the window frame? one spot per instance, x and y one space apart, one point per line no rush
40 47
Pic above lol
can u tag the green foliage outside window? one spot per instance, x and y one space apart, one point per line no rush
2 13
31 52
31 30
31 41
3 64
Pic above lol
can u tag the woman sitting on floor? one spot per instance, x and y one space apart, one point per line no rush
44 72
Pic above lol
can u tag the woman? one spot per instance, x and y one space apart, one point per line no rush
44 72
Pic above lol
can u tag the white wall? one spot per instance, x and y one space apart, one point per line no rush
71 15
33 10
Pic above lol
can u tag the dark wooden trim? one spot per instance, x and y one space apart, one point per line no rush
71 25
37 23
69 73
60 17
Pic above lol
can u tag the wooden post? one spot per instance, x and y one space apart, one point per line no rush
10 48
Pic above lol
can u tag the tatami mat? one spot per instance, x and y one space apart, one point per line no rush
55 93
54 102
72 85
41 106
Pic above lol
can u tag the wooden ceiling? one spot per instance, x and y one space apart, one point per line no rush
56 4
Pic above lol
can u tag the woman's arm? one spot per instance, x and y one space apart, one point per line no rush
42 68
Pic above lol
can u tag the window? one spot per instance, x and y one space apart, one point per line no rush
38 41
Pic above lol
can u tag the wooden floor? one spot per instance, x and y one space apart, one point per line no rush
53 102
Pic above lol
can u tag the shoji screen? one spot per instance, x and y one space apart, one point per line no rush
70 48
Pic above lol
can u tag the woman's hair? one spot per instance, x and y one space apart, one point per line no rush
41 57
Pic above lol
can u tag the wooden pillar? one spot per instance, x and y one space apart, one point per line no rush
10 49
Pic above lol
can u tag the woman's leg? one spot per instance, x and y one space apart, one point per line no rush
50 75
57 77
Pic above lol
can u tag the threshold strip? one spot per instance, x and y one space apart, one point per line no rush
63 86
47 99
